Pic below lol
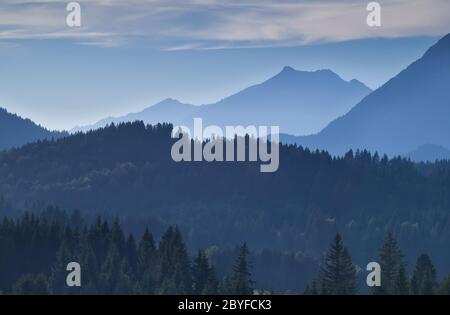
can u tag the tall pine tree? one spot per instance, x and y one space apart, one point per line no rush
423 281
391 260
338 275
241 281
204 277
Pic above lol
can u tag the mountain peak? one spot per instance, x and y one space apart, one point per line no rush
288 69
169 100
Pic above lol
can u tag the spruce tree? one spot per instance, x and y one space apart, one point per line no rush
175 276
57 281
423 281
110 271
390 262
241 282
90 270
338 275
147 264
125 279
204 278
401 285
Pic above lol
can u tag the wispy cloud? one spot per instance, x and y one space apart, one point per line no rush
214 24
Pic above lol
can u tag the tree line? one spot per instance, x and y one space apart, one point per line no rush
35 253
338 274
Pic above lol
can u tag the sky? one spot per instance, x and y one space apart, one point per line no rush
130 54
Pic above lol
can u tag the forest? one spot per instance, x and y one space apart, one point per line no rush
113 262
287 217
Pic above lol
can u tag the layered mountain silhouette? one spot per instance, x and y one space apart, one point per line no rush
16 131
410 110
300 102
168 110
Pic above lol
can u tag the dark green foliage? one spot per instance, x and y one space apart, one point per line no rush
423 281
147 264
127 169
204 277
38 254
391 262
240 281
338 275
39 251
401 284
175 275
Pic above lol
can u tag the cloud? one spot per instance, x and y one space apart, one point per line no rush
214 24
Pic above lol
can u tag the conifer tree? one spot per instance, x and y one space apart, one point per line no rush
338 275
401 285
90 270
390 262
125 280
174 264
204 278
241 281
109 273
57 281
423 281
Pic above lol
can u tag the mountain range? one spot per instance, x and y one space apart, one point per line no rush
16 131
300 102
168 110
314 109
410 110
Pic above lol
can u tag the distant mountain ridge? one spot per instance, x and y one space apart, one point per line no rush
410 110
300 102
16 131
429 153
168 110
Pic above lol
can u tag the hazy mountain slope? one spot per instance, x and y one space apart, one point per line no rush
168 110
430 153
300 102
410 110
16 131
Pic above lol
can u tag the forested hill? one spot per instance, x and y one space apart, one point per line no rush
128 170
16 131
